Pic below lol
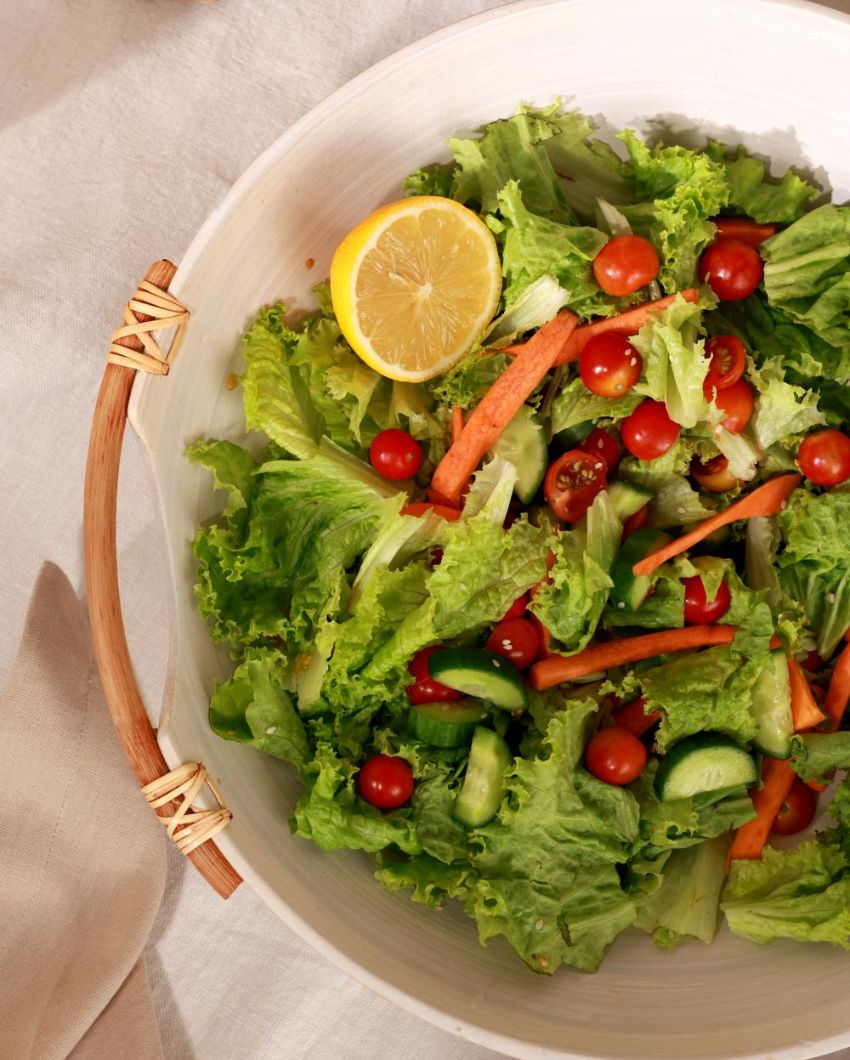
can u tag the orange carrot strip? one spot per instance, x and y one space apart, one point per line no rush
777 776
838 693
817 785
501 403
560 668
743 228
457 423
633 717
804 709
767 499
419 508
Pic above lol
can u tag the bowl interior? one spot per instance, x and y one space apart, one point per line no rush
765 73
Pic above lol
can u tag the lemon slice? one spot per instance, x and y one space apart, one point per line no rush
414 285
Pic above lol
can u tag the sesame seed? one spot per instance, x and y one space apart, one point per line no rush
543 962
496 664
539 922
682 511
830 598
633 361
621 605
271 730
507 645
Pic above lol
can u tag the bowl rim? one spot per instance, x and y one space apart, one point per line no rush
475 1033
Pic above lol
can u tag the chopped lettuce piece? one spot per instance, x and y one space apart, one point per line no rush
686 905
783 411
575 405
815 755
470 379
753 193
537 304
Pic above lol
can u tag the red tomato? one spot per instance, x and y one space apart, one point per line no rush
731 268
813 662
737 402
699 610
633 717
395 455
515 639
824 458
625 264
385 782
517 608
797 811
615 756
572 483
728 360
743 228
425 689
604 444
609 365
544 637
714 476
648 432
635 522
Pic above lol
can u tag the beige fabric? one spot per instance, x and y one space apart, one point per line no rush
82 858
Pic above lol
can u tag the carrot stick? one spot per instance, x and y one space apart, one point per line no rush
743 228
420 508
501 403
633 717
777 776
457 423
838 693
560 668
804 709
767 499
628 323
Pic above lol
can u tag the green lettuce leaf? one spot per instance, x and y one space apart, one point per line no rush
537 304
815 755
753 193
575 405
470 379
782 410
431 882
675 502
686 905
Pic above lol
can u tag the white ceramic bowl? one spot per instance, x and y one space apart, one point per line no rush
773 75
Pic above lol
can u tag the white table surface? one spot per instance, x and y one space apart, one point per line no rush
122 124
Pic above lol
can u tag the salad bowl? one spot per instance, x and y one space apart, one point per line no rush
768 74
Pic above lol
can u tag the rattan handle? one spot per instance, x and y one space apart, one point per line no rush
135 732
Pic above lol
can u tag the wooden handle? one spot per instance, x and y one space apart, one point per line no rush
137 736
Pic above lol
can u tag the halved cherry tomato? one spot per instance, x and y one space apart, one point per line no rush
615 756
515 639
635 522
395 455
699 610
728 360
648 432
797 811
633 718
625 264
544 637
813 662
824 458
609 365
743 228
424 689
731 268
737 402
572 483
714 476
604 444
419 508
517 608
385 781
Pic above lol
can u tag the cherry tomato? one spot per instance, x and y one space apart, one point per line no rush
648 432
813 662
603 444
714 476
609 365
737 402
731 268
425 689
633 717
743 228
625 264
544 637
635 522
824 458
699 610
385 781
728 360
797 811
516 640
615 756
395 455
517 608
572 483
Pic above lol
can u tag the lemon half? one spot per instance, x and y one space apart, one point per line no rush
414 285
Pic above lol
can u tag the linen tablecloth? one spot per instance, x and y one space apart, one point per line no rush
122 124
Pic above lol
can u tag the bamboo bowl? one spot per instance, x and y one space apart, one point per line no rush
771 74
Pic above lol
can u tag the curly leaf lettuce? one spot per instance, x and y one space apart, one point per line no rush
753 193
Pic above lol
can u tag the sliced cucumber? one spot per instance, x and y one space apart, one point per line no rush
629 589
627 498
484 784
445 724
524 444
481 674
706 762
771 708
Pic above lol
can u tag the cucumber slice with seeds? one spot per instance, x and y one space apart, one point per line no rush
707 762
771 708
484 783
627 499
630 590
445 724
523 443
481 674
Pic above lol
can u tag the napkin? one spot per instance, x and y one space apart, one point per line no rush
82 857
